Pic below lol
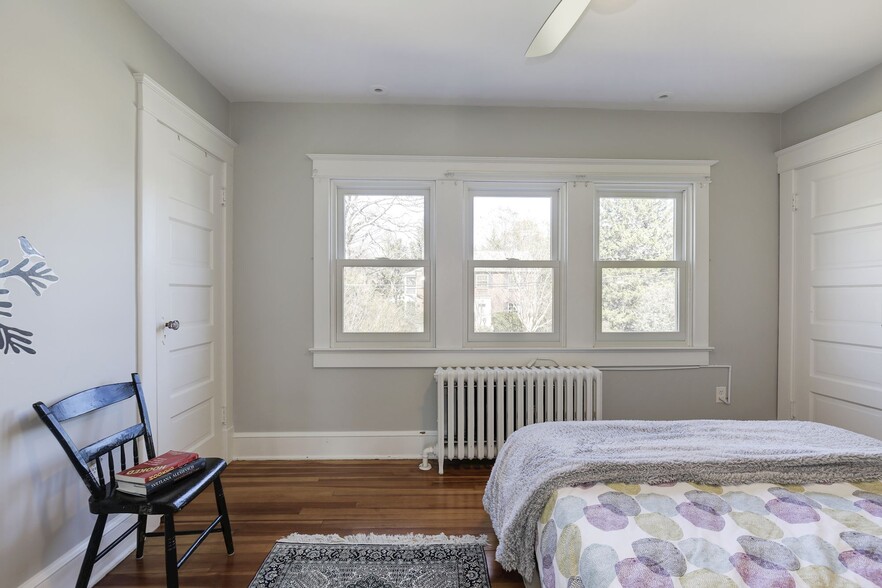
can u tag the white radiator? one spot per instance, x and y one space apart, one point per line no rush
479 408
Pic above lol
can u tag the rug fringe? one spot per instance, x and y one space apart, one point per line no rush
408 539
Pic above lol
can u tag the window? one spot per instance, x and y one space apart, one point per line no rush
383 263
514 265
641 272
427 261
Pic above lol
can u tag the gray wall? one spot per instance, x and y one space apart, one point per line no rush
278 390
67 181
851 100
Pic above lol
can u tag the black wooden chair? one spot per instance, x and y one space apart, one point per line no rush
105 500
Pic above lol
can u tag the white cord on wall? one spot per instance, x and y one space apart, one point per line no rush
661 368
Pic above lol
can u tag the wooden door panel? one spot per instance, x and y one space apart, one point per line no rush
190 237
189 244
840 332
186 397
192 366
838 292
849 303
845 414
191 181
853 246
192 304
845 390
195 428
842 187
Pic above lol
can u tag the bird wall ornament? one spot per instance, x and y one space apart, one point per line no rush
37 276
29 249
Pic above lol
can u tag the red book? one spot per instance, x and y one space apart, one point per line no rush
156 467
162 481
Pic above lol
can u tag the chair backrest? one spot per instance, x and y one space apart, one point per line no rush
88 401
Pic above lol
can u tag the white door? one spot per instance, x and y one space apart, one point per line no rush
184 164
838 292
189 237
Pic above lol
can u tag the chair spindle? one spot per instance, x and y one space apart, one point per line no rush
100 471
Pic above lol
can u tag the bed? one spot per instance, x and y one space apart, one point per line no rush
688 503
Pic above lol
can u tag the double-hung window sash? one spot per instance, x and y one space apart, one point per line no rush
383 263
513 264
641 264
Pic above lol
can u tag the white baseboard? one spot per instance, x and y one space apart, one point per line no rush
63 572
333 445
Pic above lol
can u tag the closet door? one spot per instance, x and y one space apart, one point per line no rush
837 302
184 268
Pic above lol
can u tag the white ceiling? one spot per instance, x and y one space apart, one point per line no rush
713 55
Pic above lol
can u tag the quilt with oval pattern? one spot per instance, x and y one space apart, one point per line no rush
698 536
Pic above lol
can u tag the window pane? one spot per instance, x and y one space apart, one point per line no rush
634 229
383 300
512 227
514 300
639 300
377 226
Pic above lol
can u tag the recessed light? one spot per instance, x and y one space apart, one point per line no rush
378 90
661 97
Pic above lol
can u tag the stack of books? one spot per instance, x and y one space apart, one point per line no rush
159 472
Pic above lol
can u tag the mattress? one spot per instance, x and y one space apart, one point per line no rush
697 536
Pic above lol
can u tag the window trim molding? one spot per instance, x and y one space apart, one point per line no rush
450 339
495 356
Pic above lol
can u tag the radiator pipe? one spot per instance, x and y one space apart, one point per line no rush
426 452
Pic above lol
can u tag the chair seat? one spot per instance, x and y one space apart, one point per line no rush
170 499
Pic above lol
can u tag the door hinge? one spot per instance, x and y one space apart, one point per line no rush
794 201
223 415
223 196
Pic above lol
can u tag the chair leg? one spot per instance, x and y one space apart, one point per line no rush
91 552
171 552
142 528
222 511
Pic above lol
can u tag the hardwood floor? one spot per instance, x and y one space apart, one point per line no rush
270 499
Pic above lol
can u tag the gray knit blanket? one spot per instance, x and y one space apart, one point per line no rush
539 458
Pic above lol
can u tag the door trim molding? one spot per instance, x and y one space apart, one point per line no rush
170 111
859 135
786 291
155 104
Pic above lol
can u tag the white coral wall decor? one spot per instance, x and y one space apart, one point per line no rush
37 276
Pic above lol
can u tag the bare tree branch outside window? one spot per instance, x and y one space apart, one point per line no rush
513 299
383 298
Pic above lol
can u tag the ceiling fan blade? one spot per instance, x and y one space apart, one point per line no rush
556 27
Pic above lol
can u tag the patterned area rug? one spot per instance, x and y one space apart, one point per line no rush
375 561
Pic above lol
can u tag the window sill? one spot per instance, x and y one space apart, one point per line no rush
434 357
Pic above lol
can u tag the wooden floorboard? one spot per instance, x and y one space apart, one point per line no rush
270 499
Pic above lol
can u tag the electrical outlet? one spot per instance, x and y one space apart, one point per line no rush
722 395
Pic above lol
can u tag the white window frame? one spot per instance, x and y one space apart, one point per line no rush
683 257
557 193
344 188
449 285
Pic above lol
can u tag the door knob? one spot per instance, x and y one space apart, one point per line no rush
173 325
